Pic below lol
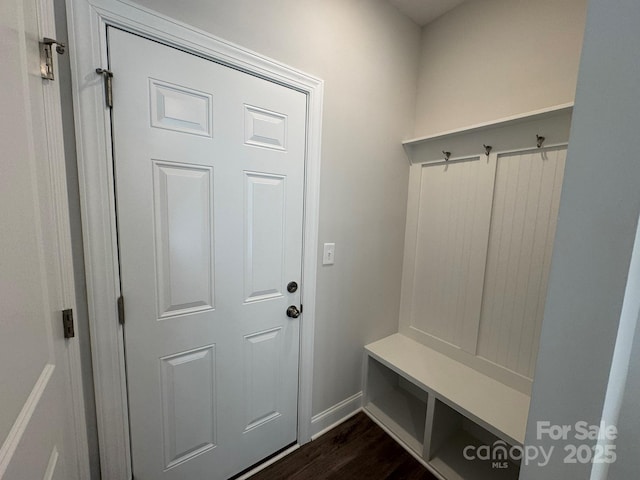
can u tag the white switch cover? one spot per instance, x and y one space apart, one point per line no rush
328 257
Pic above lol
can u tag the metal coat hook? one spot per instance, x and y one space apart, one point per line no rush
539 140
487 149
447 155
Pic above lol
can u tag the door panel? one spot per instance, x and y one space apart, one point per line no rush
37 436
180 109
209 166
189 404
265 211
263 379
264 128
183 206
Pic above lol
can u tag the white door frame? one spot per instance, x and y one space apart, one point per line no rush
88 21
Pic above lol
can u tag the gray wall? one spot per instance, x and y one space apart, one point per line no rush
489 59
597 224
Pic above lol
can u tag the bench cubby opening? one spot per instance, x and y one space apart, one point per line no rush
440 409
397 403
452 435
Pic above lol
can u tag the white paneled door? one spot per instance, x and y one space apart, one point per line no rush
37 428
209 170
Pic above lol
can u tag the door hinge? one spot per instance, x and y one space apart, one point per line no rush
46 56
67 323
121 310
108 85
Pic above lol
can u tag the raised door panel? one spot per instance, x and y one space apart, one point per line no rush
181 109
264 128
188 404
184 238
526 202
34 449
263 380
264 236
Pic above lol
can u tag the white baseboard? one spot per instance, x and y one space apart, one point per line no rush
325 421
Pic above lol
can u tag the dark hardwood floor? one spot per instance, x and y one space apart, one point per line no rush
356 449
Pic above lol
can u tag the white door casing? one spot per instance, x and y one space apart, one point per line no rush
42 424
209 165
88 21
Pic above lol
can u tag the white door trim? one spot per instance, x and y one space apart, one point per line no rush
88 21
58 181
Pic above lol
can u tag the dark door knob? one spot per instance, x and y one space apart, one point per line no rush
293 312
292 287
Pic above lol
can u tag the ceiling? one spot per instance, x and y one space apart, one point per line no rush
424 11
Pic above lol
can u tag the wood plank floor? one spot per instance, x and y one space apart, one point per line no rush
356 449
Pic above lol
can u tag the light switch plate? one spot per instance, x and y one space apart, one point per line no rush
328 256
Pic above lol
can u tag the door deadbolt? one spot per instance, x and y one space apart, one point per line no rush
292 287
293 312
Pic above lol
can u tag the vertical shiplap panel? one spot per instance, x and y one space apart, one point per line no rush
426 288
500 238
451 288
480 207
517 203
451 242
490 281
525 209
464 267
534 199
528 359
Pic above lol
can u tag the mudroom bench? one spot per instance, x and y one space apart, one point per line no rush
435 407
